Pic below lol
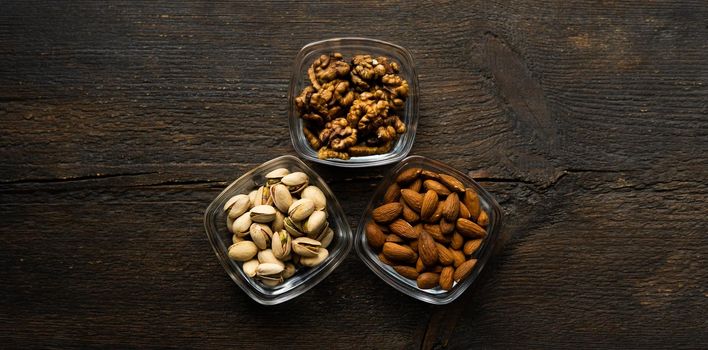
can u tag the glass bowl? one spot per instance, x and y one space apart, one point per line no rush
305 278
350 47
436 295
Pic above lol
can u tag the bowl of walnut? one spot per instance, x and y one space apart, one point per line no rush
353 102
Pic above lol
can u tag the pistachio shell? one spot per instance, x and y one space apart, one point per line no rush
262 197
236 238
237 205
260 234
301 209
281 197
271 282
293 227
322 254
326 237
281 244
267 256
306 247
241 224
278 223
269 269
316 195
315 223
252 198
263 213
242 251
249 267
277 173
230 224
289 270
296 181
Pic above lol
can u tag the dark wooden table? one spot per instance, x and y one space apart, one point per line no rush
120 122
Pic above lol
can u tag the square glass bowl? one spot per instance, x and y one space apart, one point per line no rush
436 295
350 47
305 278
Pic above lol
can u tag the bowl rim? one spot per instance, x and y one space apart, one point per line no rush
324 270
413 114
386 273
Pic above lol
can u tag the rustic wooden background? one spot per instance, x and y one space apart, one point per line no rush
121 121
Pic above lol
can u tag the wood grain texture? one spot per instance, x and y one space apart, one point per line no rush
120 122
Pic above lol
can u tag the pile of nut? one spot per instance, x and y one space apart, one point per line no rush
428 228
351 108
279 227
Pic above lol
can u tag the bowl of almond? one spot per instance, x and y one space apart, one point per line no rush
428 230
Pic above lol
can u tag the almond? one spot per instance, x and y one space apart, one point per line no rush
406 271
409 214
457 241
469 229
446 277
427 249
436 269
471 201
427 280
483 218
444 255
414 245
419 266
413 199
446 227
387 212
408 175
432 185
464 212
427 174
464 270
416 185
451 207
452 183
397 252
385 260
394 238
437 214
403 229
429 205
392 193
434 231
374 236
471 246
459 257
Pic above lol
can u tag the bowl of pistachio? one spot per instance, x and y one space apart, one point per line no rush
278 230
353 102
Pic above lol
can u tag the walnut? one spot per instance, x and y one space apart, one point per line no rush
325 153
338 135
327 68
325 104
397 88
360 150
312 138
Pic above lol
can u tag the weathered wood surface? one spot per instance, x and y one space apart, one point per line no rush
120 122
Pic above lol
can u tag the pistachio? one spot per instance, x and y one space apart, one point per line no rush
296 181
242 224
315 223
293 227
281 244
271 282
236 238
242 251
281 197
326 237
252 198
322 254
316 195
277 174
263 197
306 247
289 270
263 213
260 234
277 223
267 256
237 205
249 267
229 224
301 209
270 271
